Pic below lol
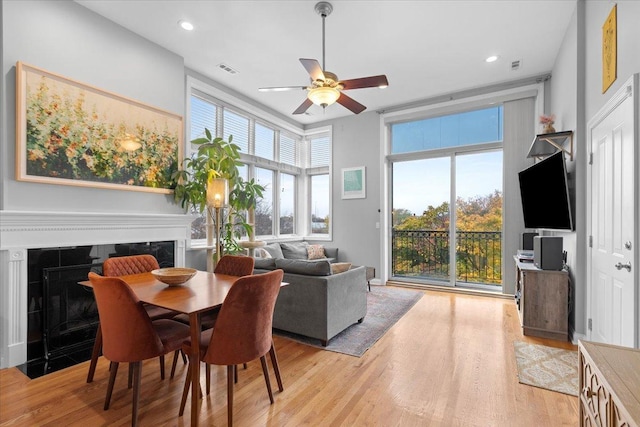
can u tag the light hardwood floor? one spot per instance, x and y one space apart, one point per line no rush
448 362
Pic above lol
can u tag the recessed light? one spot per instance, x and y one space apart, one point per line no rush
493 58
186 25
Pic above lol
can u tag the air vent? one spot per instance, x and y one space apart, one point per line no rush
515 65
226 68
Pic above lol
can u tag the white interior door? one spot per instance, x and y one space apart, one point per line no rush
611 276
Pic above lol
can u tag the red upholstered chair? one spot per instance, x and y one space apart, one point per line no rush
242 332
129 335
122 266
235 265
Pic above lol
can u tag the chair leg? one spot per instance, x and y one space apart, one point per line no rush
137 374
230 376
235 374
162 367
185 391
276 368
97 349
113 370
130 377
174 363
207 370
184 357
265 371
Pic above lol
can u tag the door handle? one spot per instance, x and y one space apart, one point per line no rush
620 266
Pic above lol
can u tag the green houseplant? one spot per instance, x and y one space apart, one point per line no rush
217 158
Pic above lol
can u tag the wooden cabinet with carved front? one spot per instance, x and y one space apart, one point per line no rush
609 385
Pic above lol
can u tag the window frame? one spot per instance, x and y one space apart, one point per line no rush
300 171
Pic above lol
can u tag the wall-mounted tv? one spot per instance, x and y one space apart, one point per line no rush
545 194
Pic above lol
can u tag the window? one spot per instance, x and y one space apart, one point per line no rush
275 156
264 206
287 203
449 233
320 184
454 130
237 126
264 142
320 204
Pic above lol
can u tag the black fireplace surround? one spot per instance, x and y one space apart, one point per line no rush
62 315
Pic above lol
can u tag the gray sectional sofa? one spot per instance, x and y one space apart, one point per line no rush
318 302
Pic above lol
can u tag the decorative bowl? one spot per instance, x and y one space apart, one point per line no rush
174 276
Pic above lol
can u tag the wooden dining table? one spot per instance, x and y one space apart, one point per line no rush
201 293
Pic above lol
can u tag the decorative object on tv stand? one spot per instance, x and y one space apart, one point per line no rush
217 158
217 200
547 122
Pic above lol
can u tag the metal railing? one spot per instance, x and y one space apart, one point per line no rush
425 254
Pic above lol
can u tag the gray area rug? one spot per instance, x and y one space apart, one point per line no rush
385 306
555 369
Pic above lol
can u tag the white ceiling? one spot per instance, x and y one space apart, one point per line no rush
426 48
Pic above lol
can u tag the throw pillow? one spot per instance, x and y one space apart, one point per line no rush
340 267
294 250
261 253
274 250
315 252
303 266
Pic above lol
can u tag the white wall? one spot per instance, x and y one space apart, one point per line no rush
356 142
576 96
68 39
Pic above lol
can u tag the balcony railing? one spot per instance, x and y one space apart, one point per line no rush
425 254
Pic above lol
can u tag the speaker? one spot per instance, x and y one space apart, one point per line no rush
527 241
547 252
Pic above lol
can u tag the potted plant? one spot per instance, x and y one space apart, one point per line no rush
217 158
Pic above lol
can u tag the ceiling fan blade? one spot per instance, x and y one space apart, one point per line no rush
303 107
313 68
351 104
281 89
373 81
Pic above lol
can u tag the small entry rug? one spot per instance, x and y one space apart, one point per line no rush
385 306
555 369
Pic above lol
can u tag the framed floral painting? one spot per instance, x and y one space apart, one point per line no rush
75 134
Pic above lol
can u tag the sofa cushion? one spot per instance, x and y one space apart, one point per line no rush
294 250
265 263
340 267
315 252
309 268
274 250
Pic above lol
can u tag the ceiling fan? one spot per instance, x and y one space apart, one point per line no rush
325 87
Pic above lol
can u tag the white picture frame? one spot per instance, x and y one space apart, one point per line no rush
354 183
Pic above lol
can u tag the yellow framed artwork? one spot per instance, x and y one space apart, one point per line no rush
609 50
71 133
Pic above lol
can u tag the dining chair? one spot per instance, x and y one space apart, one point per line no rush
242 332
232 265
122 266
129 334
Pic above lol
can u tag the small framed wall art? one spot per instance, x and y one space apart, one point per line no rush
354 183
610 50
71 133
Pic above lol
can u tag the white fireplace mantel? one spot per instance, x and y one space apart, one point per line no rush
23 230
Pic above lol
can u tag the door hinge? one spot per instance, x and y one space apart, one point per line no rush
590 158
589 324
590 241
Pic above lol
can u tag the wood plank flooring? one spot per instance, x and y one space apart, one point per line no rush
448 362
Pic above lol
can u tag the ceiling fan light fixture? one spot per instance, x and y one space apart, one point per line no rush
323 96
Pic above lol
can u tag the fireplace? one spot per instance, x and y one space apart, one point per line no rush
92 237
62 316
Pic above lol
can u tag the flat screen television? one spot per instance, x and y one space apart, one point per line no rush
545 194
